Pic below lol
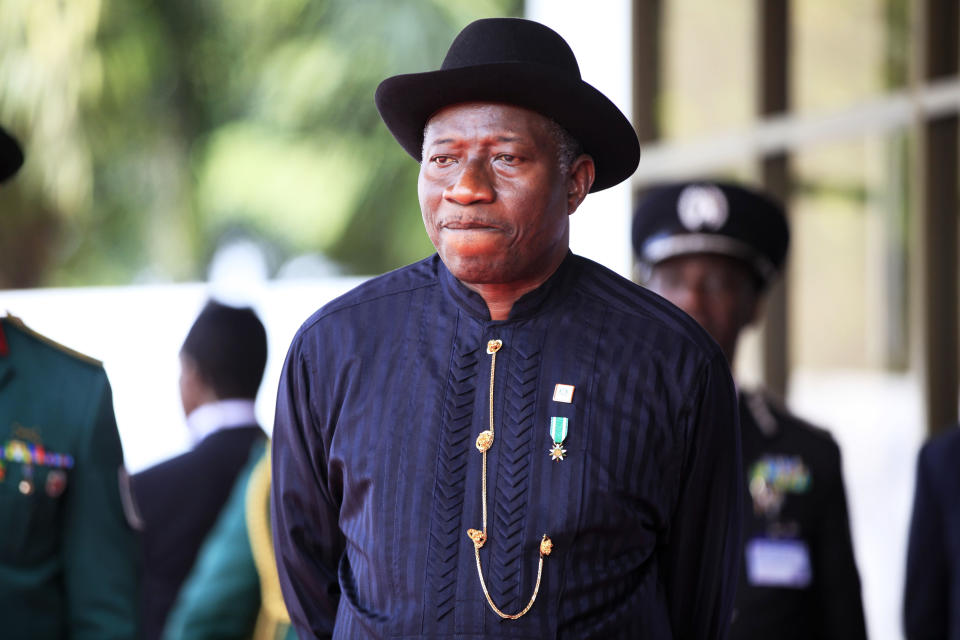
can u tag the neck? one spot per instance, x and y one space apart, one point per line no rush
500 297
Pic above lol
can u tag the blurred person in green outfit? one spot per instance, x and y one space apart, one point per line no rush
68 549
233 591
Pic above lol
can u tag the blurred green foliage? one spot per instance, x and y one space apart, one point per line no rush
154 129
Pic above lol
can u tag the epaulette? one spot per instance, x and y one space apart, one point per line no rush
18 323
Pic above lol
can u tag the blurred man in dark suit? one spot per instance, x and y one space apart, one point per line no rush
932 595
222 362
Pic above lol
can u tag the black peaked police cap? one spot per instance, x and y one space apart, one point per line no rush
711 217
522 63
11 157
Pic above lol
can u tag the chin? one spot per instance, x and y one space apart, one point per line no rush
477 270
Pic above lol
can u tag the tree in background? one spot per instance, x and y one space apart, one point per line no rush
155 129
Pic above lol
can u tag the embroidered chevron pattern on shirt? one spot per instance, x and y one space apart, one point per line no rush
446 529
513 480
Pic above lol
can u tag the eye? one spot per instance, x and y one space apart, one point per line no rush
442 161
507 158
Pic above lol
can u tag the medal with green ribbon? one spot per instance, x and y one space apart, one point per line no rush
558 431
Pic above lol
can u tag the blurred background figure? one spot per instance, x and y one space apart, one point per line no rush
713 249
68 561
233 592
222 362
931 598
11 156
143 167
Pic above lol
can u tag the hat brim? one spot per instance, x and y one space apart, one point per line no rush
660 249
11 156
406 103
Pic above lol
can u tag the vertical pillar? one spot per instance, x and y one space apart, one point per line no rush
936 224
773 98
647 27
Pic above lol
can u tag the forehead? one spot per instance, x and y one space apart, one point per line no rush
488 119
701 264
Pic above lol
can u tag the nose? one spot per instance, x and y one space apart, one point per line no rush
690 298
472 184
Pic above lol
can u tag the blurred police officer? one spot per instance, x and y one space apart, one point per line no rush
68 560
221 362
713 249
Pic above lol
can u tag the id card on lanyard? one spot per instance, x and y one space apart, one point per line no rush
773 562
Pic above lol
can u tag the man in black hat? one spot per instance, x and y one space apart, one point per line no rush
712 249
68 554
221 366
506 440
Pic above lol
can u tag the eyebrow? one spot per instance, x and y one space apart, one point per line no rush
452 140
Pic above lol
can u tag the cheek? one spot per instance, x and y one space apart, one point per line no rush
426 193
422 191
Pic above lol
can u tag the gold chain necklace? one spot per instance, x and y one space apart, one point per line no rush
484 442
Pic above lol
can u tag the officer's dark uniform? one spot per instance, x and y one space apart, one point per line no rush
68 557
798 576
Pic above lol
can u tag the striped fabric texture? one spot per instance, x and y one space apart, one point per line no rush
377 479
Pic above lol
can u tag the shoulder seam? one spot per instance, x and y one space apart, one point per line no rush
324 312
19 324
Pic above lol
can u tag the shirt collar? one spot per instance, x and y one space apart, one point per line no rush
543 297
217 416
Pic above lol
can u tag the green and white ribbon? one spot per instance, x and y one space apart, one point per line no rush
558 429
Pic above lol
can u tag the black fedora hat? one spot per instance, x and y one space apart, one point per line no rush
11 157
518 62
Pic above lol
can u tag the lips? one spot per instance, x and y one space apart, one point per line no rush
468 225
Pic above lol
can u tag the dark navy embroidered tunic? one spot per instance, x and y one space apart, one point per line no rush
377 478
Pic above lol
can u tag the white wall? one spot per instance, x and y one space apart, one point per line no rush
137 332
599 34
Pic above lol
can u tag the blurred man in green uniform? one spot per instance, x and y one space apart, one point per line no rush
68 565
233 591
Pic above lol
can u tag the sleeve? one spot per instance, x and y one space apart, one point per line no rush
307 537
701 558
100 558
925 606
221 596
835 568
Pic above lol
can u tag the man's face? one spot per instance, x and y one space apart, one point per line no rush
493 200
717 291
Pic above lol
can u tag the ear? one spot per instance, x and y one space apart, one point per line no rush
192 381
579 180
